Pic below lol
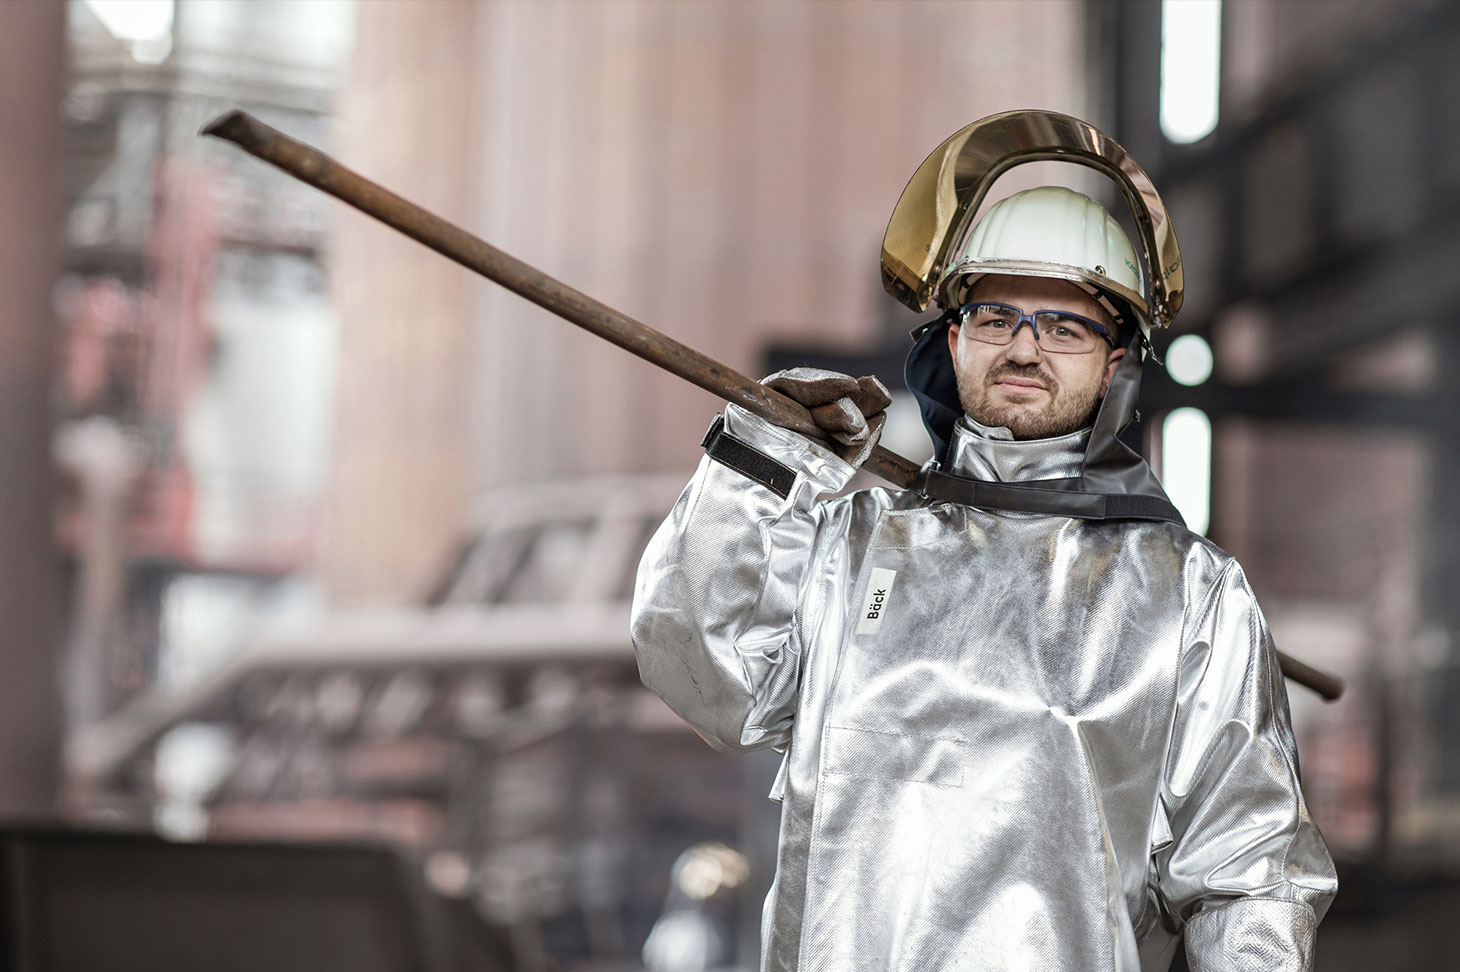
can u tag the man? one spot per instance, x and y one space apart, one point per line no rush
1026 724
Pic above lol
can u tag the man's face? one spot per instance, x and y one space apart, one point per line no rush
1033 393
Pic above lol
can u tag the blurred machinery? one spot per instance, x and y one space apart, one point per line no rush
195 331
693 933
498 731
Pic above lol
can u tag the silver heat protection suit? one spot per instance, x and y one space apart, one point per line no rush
1011 740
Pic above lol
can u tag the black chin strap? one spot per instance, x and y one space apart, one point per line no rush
1053 497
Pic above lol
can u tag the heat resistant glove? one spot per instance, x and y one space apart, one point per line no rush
850 410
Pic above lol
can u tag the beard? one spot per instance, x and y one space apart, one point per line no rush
1069 409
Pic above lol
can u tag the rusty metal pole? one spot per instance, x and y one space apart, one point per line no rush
310 165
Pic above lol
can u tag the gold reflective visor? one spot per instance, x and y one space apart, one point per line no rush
935 211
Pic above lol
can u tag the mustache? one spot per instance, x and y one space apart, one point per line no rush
1028 372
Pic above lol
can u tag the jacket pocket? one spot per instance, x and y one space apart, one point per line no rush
869 754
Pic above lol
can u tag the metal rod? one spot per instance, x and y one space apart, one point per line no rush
319 170
310 165
1328 685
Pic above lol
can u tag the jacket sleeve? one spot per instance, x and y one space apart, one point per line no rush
719 585
1246 868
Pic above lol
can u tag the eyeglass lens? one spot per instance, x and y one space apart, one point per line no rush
1055 331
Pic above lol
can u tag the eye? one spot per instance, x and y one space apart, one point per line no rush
991 317
1059 326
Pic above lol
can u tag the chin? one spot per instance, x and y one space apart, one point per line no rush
1065 410
1027 425
1029 431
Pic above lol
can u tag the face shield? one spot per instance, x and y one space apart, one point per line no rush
933 250
932 221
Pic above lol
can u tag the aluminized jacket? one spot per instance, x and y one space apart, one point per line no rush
1012 741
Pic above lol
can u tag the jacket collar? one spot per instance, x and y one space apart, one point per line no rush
994 455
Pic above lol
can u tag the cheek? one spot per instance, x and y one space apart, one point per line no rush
973 360
957 350
1089 373
1061 368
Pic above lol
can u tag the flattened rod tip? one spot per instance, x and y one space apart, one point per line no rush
231 126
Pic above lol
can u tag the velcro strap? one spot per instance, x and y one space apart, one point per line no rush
750 462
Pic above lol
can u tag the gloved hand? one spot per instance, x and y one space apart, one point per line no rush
850 410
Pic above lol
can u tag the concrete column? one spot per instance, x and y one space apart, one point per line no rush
398 485
32 39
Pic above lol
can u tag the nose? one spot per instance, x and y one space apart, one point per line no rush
1023 349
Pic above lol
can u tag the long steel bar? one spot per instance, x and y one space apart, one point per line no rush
319 170
308 164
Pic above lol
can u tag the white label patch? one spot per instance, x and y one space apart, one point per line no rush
874 602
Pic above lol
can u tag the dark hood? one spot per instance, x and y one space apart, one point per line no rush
1120 478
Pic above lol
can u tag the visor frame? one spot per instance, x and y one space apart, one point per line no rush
934 215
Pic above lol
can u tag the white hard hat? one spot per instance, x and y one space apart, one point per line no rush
1052 231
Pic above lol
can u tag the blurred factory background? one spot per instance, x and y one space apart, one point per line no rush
316 551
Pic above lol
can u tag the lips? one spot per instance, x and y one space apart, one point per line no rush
1021 383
